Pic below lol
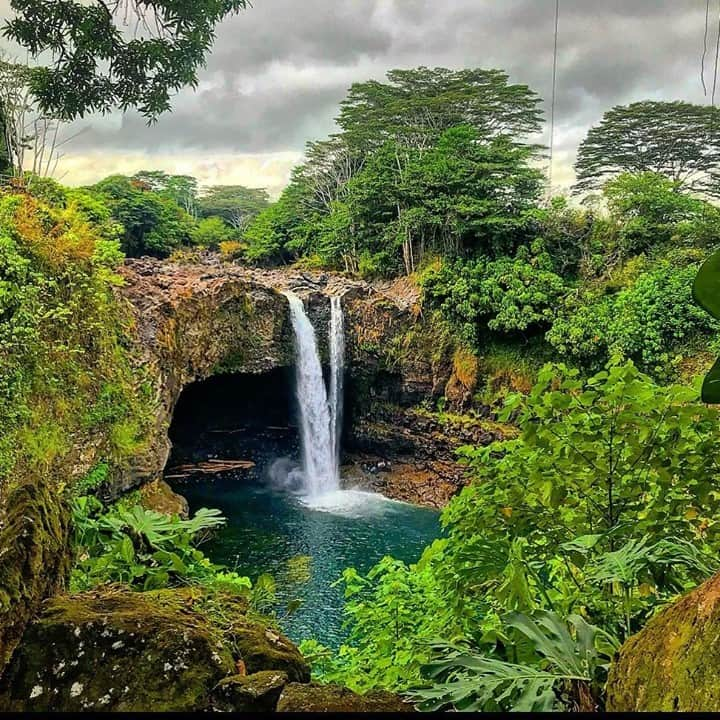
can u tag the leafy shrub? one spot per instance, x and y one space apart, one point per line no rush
647 321
144 549
507 295
568 539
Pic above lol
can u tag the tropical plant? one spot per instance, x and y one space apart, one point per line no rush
144 549
566 658
706 292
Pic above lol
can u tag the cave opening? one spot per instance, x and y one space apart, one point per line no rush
234 417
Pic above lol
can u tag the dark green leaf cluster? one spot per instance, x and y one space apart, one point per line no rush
96 65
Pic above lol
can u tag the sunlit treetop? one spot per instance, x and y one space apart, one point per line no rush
94 56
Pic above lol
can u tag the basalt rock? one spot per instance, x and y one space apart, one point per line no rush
165 650
673 663
196 320
316 698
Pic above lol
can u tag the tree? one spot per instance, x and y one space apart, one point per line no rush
210 232
96 65
676 139
30 137
182 189
153 224
237 205
416 106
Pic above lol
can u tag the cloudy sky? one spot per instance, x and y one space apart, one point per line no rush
278 71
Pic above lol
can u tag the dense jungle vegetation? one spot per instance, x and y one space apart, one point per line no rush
572 534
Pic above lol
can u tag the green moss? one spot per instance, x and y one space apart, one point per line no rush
165 650
36 555
672 663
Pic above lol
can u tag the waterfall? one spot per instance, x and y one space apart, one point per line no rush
319 419
336 341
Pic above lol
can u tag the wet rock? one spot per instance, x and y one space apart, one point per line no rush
194 320
258 692
316 698
160 497
672 664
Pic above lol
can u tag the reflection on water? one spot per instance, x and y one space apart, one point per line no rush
306 548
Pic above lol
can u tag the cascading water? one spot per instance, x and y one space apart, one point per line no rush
337 372
318 435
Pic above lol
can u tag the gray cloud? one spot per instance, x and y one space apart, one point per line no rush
279 70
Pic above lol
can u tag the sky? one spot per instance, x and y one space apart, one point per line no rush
278 71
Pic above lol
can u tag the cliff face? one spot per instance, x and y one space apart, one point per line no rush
193 321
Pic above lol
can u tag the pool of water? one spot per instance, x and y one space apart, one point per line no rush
306 548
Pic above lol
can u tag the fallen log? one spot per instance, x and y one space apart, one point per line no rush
207 467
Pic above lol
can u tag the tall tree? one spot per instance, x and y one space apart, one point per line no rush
676 139
237 205
97 64
182 189
416 106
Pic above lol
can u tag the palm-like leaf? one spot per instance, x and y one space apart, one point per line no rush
571 650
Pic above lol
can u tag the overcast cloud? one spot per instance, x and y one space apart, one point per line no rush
278 71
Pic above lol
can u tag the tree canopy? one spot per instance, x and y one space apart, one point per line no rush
98 64
676 139
417 105
237 205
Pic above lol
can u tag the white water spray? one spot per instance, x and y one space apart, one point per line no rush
336 341
319 419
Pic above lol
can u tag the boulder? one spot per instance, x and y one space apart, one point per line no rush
673 663
316 698
160 497
258 692
167 650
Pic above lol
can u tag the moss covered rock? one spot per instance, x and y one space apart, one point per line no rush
160 497
116 650
163 650
674 662
258 692
262 648
314 697
34 557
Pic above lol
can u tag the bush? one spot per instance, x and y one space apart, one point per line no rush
650 320
510 295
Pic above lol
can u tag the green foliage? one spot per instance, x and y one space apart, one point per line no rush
95 64
706 294
568 654
236 205
210 232
153 223
676 139
65 371
433 160
507 295
651 211
650 320
568 539
144 549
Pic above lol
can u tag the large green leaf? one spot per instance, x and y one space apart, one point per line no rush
711 384
706 287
